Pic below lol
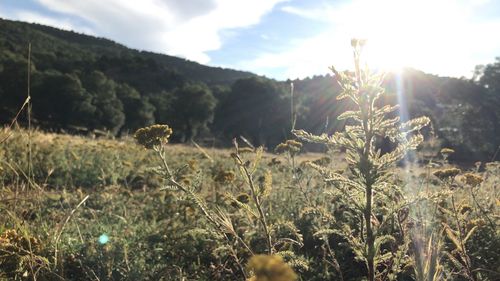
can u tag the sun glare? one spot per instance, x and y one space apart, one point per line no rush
404 33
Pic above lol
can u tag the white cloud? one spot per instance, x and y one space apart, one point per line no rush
64 23
188 28
442 37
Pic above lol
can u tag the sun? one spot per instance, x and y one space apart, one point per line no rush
403 33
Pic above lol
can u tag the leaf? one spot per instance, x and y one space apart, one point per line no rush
256 160
455 262
379 241
356 115
242 205
451 235
471 232
325 232
290 226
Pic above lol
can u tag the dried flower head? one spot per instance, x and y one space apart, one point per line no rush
14 239
291 146
494 164
153 135
447 151
355 42
225 177
243 198
270 268
323 161
465 208
274 162
475 222
472 180
446 174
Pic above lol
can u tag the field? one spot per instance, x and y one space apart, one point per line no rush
76 208
383 202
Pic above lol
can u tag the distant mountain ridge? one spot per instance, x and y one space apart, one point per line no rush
15 35
94 83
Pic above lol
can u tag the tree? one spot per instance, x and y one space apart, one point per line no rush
490 80
193 109
13 81
138 111
109 109
257 109
59 100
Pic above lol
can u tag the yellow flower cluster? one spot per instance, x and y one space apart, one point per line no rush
445 174
472 180
291 146
447 151
270 268
153 135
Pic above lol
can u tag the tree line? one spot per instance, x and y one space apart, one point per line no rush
79 81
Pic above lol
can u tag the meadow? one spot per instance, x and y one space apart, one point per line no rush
140 208
156 235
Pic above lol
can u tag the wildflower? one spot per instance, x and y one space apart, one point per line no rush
153 135
305 163
475 222
472 180
291 146
270 268
193 164
358 42
465 209
323 161
445 174
266 183
492 165
225 177
447 151
243 198
274 162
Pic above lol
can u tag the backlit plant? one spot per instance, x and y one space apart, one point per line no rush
369 186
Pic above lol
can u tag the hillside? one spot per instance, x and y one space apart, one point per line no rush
53 48
83 82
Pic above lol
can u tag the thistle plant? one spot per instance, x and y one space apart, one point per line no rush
369 184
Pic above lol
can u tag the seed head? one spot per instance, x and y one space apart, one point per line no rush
447 151
225 177
446 174
153 135
472 180
291 146
243 198
270 268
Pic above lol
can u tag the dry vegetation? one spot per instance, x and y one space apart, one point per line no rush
76 208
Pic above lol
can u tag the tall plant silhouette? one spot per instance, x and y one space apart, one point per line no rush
368 185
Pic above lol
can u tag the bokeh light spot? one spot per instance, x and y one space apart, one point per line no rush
103 239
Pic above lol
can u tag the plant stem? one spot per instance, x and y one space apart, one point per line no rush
262 217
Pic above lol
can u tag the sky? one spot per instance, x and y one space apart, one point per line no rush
285 39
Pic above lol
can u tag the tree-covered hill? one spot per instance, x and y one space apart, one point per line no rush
80 81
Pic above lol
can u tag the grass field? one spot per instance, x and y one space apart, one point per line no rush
77 208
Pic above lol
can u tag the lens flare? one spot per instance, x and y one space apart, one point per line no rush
103 239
